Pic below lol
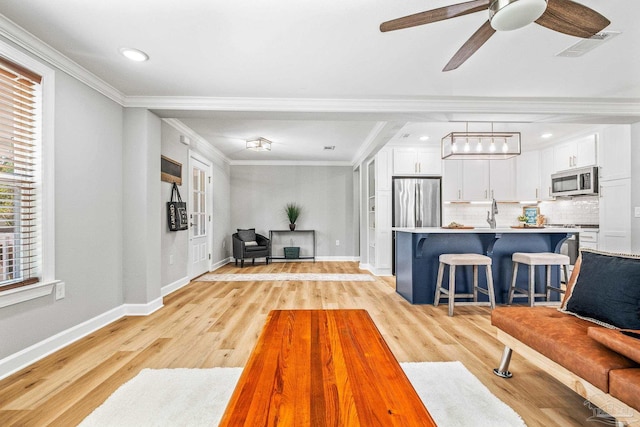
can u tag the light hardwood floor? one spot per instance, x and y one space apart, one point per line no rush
209 324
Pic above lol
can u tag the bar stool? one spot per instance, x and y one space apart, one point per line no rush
453 260
547 259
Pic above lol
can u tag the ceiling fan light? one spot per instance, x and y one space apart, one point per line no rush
507 15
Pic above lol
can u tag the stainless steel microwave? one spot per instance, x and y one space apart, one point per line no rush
575 182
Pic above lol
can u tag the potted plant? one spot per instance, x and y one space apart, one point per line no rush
293 212
522 219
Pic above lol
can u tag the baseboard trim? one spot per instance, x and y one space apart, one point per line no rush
338 258
29 355
219 264
172 287
143 309
20 360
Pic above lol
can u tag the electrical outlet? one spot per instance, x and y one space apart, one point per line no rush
59 290
636 212
337 242
170 259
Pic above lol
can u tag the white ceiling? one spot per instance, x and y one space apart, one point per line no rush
328 76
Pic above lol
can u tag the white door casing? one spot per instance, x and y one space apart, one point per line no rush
199 215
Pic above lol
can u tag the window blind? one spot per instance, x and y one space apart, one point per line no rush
19 155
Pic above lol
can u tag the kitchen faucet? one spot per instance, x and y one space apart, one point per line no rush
491 216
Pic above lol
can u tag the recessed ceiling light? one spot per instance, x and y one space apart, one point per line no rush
424 138
546 135
134 54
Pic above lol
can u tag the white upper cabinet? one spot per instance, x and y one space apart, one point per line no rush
502 179
475 180
546 169
528 176
417 161
614 153
576 153
478 180
452 180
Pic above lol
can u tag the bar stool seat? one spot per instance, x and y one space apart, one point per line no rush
453 260
548 259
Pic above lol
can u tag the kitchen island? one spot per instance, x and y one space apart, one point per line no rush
418 249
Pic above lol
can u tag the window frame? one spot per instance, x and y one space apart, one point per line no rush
45 182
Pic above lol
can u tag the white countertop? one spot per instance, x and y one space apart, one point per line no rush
434 230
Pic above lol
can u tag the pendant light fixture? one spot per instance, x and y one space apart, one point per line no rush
457 145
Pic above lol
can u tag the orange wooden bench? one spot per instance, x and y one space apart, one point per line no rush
323 368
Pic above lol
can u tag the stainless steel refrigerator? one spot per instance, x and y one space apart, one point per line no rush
417 202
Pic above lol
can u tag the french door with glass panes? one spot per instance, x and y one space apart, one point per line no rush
199 215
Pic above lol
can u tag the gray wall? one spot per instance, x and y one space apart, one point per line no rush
88 219
141 195
260 193
175 244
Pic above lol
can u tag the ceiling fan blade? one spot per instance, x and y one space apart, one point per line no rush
435 15
574 19
471 46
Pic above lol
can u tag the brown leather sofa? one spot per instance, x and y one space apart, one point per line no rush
597 362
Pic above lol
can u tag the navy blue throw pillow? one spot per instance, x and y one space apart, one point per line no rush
607 290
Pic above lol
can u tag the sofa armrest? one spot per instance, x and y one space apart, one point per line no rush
617 341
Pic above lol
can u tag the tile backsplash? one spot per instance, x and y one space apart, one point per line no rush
579 210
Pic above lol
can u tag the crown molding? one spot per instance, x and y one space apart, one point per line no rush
286 163
30 43
541 106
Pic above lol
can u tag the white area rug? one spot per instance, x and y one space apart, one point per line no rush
309 277
198 397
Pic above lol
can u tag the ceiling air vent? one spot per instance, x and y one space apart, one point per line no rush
585 45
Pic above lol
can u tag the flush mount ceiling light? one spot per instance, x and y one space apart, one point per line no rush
507 15
480 145
259 144
134 54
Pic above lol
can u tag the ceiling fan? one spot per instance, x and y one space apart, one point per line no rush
564 16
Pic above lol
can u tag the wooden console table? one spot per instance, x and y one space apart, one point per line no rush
290 232
323 368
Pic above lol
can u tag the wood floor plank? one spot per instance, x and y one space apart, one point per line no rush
207 324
